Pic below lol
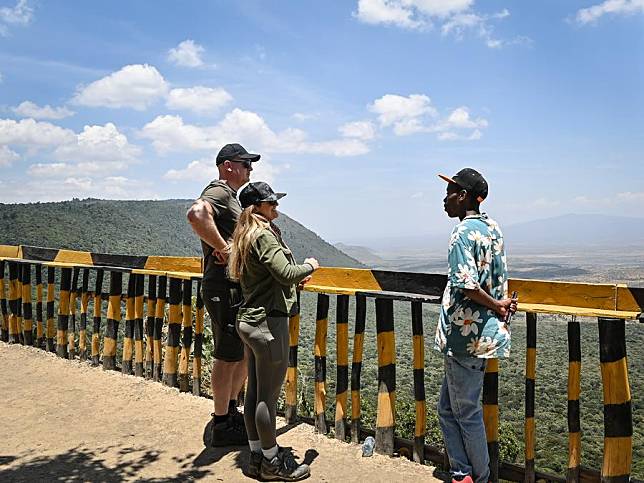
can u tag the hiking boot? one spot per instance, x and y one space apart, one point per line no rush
283 467
237 417
227 433
254 464
463 479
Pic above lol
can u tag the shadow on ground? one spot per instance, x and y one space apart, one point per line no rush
110 464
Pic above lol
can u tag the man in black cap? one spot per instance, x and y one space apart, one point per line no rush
473 326
213 218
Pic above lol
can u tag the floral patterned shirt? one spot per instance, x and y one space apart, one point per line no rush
476 258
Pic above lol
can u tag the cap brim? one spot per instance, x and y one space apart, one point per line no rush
273 197
447 178
250 157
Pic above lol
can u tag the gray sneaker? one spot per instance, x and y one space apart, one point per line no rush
283 467
254 464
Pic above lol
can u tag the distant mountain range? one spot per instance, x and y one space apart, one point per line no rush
136 228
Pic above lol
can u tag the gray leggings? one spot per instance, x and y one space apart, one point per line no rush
267 345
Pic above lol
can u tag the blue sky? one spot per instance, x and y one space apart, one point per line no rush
355 106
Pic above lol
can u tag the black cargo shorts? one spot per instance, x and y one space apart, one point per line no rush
222 303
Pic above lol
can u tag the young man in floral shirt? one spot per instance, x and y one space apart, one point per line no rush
472 326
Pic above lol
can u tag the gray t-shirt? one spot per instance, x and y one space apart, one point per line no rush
226 211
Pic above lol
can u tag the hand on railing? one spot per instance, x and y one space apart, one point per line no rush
313 262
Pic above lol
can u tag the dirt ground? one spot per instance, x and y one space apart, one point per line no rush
67 421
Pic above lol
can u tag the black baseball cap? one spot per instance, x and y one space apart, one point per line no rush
255 193
471 180
235 152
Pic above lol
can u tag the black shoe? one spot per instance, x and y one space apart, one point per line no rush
254 464
237 417
283 467
226 434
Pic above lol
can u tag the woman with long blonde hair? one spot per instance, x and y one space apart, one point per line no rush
268 275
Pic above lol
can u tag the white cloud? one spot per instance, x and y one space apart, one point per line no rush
392 12
136 86
7 156
455 17
364 130
198 99
416 114
1 78
99 149
49 170
21 14
203 170
302 116
170 133
628 196
612 7
395 109
29 109
33 134
187 54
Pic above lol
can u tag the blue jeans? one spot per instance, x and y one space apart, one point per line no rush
461 417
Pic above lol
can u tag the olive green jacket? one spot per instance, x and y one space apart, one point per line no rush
271 274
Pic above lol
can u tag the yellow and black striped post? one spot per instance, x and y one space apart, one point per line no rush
618 421
113 320
71 333
128 335
290 389
51 293
82 330
149 325
13 303
27 308
21 338
186 339
63 311
321 326
196 359
419 381
342 366
96 321
157 354
491 415
530 373
138 325
356 366
386 342
4 328
40 338
574 391
174 334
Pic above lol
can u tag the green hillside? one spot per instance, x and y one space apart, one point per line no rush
135 228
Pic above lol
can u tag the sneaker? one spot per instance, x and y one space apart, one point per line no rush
283 467
254 464
227 434
464 479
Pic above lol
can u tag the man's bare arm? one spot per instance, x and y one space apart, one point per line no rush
200 217
481 297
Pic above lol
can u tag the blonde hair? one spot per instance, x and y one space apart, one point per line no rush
249 225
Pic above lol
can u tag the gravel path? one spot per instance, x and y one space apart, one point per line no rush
67 421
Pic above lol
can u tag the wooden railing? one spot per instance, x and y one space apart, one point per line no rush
174 281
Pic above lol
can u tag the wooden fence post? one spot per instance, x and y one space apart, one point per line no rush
386 341
342 365
82 332
13 303
174 334
321 325
113 320
356 366
128 334
186 340
27 307
530 374
96 325
139 283
149 325
51 294
574 390
40 338
157 352
618 421
491 415
63 311
71 333
196 359
419 381
4 328
291 372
